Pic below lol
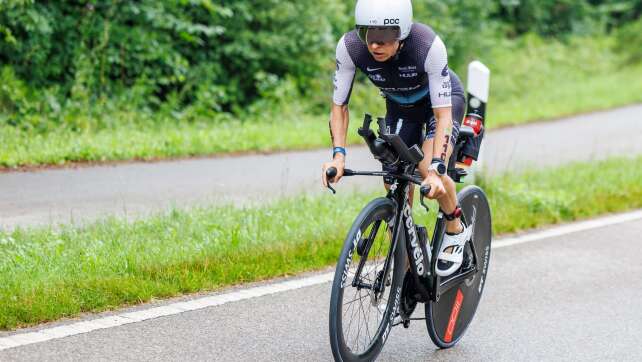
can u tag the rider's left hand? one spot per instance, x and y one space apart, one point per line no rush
437 189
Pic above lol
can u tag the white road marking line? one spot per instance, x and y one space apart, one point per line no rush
6 344
60 332
569 229
47 334
29 338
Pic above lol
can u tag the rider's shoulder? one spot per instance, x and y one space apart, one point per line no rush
422 33
350 39
355 47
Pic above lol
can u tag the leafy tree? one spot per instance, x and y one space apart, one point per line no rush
225 55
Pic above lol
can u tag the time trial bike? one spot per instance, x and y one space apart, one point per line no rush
387 264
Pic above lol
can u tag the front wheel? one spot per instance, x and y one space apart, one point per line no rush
365 300
448 318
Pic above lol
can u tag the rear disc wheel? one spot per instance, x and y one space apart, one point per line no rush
448 318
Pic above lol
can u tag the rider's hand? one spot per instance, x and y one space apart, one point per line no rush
437 189
339 164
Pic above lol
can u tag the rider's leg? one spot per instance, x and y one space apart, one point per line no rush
448 202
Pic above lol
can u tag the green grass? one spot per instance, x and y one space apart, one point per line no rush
533 79
49 273
537 79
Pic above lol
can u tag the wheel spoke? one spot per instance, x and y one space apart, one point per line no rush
356 299
365 318
358 329
351 316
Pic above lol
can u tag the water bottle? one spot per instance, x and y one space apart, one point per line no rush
478 91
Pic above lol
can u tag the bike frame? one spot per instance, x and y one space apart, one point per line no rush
429 285
427 282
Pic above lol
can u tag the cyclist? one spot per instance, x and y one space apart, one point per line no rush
425 102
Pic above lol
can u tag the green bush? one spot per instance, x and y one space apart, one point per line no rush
547 17
630 42
64 61
229 52
565 17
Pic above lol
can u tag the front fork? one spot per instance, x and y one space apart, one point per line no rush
415 251
400 200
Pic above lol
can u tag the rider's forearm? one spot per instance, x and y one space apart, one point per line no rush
443 133
424 165
339 119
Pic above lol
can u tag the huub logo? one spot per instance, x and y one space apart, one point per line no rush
390 21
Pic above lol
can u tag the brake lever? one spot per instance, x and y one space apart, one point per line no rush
329 175
423 191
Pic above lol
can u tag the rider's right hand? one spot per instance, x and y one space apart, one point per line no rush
339 164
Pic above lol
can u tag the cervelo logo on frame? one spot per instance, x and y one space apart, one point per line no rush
417 253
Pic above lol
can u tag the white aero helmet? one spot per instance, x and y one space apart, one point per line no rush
383 20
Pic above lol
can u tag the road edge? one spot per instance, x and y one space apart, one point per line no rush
46 334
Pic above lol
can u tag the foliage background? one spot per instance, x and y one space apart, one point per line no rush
72 66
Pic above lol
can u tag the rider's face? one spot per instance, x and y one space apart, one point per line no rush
383 51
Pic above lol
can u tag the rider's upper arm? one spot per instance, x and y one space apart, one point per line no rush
344 74
438 74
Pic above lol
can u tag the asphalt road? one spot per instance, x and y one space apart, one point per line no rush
130 190
575 297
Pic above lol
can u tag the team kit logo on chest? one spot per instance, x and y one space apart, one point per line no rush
409 71
376 77
374 73
405 72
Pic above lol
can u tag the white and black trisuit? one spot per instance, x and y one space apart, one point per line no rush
413 82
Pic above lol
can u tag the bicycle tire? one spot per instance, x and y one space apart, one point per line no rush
378 209
448 319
